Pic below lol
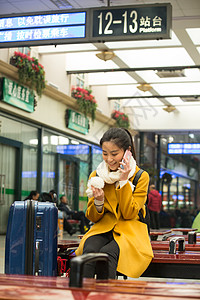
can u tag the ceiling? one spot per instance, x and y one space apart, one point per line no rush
183 49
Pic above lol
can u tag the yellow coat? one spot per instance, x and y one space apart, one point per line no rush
130 234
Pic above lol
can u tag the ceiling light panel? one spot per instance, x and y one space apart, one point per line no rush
175 101
174 41
194 34
109 78
177 88
87 61
125 91
142 102
66 48
179 102
155 57
151 76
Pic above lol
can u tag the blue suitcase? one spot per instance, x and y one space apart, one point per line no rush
31 239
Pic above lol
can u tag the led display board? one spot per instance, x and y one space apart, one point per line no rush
73 149
183 148
138 22
43 28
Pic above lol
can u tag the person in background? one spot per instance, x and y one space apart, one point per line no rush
34 195
73 214
52 197
113 207
154 205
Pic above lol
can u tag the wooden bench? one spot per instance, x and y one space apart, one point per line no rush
50 288
159 232
183 264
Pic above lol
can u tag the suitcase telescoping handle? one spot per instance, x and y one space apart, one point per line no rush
172 244
77 265
37 256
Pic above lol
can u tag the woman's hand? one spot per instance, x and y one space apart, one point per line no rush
125 170
97 193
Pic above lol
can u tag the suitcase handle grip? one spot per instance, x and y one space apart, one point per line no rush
37 251
192 237
172 244
77 265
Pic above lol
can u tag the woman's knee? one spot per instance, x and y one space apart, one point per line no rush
89 249
90 246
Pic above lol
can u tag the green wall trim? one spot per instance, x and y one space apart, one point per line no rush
12 192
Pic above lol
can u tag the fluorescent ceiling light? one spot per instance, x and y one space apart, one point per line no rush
74 142
87 61
155 57
109 78
33 142
174 41
194 34
63 140
54 140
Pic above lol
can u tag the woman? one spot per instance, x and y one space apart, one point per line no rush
113 208
34 195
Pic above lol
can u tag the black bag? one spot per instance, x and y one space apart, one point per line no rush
145 219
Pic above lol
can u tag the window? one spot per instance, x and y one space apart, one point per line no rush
80 80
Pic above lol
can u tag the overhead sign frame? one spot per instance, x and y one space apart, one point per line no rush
135 22
93 25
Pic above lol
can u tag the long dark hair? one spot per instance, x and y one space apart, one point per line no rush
30 196
120 137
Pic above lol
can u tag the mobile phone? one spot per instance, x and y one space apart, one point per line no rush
127 155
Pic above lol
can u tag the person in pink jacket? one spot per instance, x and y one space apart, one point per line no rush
154 206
